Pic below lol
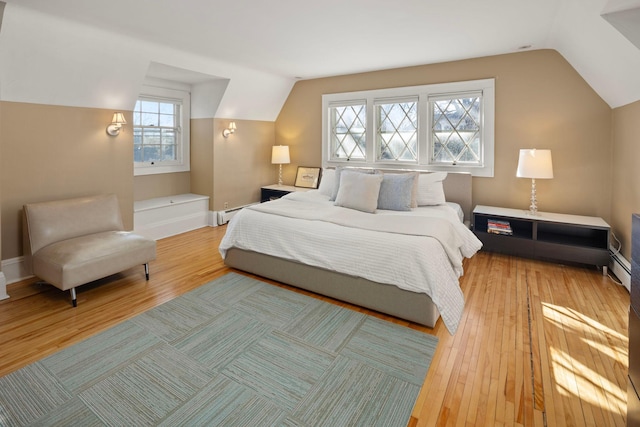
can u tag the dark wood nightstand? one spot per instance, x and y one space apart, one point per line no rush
275 191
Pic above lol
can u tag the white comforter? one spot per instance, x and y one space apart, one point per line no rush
404 249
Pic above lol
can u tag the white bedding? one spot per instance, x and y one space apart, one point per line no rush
409 260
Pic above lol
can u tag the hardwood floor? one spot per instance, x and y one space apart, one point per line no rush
539 343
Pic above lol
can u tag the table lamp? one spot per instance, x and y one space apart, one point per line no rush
280 156
534 164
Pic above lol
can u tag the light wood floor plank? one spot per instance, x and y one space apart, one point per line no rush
540 344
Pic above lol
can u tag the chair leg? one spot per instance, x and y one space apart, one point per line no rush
74 301
146 270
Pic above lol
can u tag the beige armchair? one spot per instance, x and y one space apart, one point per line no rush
72 242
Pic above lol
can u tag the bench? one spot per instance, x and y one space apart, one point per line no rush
72 242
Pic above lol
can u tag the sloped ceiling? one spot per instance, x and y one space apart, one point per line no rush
97 53
627 21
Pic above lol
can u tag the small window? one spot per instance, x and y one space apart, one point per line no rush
156 131
397 131
161 131
456 126
348 132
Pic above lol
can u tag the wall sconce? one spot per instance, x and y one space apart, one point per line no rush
232 129
116 124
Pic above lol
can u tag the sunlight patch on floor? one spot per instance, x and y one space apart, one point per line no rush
572 375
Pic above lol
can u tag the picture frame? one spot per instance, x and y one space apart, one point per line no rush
307 177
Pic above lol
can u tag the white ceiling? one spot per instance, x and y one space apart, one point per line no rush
291 39
301 38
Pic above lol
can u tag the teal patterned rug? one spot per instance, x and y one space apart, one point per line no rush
234 352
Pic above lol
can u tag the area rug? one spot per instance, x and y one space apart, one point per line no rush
235 352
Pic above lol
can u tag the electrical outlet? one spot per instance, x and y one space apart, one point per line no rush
226 205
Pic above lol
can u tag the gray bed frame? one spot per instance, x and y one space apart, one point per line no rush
387 299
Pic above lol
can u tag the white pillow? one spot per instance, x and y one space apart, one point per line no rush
430 189
359 191
336 183
327 182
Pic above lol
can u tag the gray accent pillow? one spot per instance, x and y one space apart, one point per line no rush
396 191
359 191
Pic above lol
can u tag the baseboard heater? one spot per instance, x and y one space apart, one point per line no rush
226 215
621 268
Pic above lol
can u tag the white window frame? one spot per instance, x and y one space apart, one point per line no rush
485 86
376 125
349 103
183 163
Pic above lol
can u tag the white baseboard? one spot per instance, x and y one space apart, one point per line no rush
15 270
213 219
3 287
622 269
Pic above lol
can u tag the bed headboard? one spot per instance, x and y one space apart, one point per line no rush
457 188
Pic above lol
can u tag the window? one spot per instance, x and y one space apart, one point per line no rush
161 132
397 131
456 129
433 127
348 133
156 128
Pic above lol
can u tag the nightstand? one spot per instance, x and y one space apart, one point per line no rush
275 191
559 237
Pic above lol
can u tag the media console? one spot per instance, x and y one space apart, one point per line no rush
552 236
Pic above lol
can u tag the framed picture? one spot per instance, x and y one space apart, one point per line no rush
307 177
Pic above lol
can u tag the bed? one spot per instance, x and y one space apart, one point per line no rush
402 262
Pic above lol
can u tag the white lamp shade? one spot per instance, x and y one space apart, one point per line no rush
280 154
535 164
118 119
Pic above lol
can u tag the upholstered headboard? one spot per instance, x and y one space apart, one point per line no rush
457 188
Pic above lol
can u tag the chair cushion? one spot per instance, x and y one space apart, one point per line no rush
72 262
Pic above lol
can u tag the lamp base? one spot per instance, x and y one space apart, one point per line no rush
280 176
533 208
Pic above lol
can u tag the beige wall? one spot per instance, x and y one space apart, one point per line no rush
202 158
1 181
161 185
625 187
242 162
541 102
231 170
51 152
